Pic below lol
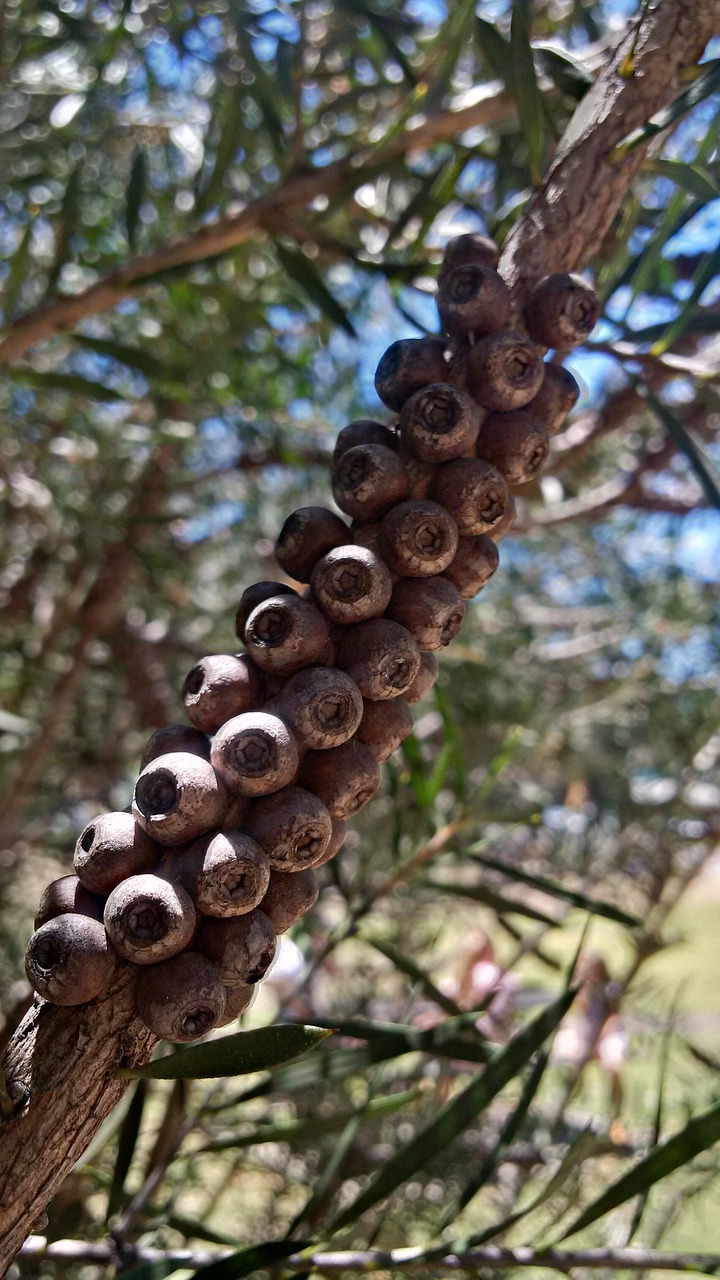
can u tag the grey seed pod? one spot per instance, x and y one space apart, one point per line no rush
476 560
562 311
474 492
468 250
368 480
182 998
220 686
439 422
504 370
243 948
68 895
473 300
385 726
351 584
380 656
237 1001
292 826
286 633
253 596
110 848
179 797
424 680
176 737
308 534
225 875
364 431
337 840
431 609
289 896
68 960
254 754
514 442
418 539
344 778
322 706
408 365
147 919
556 398
505 524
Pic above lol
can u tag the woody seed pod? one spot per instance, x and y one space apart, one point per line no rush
182 998
254 754
476 560
147 919
473 300
225 875
364 431
381 657
420 475
286 633
505 523
514 442
68 896
418 538
504 370
474 492
385 726
344 778
288 898
431 609
439 422
408 365
237 1000
253 596
558 394
220 686
68 960
243 947
561 311
110 848
368 480
466 250
179 797
292 826
308 534
351 584
176 737
424 680
322 706
337 840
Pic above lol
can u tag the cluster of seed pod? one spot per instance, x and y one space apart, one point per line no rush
232 813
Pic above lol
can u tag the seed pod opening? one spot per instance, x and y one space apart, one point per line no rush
243 948
345 778
473 300
322 706
424 680
220 686
514 442
337 840
292 826
68 895
351 584
179 797
364 431
308 534
237 1001
285 634
562 311
255 595
407 366
439 422
289 897
431 609
467 250
68 960
368 480
504 370
385 726
182 998
505 524
225 875
147 919
176 737
556 398
381 657
476 560
418 538
110 848
473 492
255 754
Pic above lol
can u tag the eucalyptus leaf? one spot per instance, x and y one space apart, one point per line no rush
234 1055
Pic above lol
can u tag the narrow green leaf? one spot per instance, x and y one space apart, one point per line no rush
304 274
706 84
264 87
231 129
556 890
489 898
701 464
45 380
340 1064
18 271
127 1141
417 976
135 195
456 1037
527 91
569 75
173 380
312 1128
235 1055
677 327
696 181
66 225
495 49
451 40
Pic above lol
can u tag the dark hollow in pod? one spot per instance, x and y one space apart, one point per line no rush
439 422
226 874
562 311
68 960
431 609
148 919
514 442
475 562
220 686
68 895
408 365
289 896
308 534
363 431
368 480
254 754
176 737
474 493
385 726
322 705
243 947
504 370
344 778
286 633
473 299
179 797
182 998
110 848
418 538
292 826
505 523
351 584
255 595
380 656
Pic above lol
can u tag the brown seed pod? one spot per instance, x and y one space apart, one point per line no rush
562 311
473 300
364 431
380 656
557 396
474 492
337 840
345 778
514 442
254 754
385 726
68 896
468 250
147 919
288 898
368 480
504 525
182 998
179 797
431 609
407 366
351 584
243 948
237 1001
322 706
368 535
176 737
68 960
420 475
475 562
439 422
418 538
424 680
255 595
286 633
293 826
504 370
308 534
225 875
110 848
220 686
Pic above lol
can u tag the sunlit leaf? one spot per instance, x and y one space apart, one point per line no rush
565 71
239 1054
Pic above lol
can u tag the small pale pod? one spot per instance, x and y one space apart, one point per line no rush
469 249
243 948
380 656
337 840
68 895
351 584
440 422
286 633
418 538
255 595
506 522
225 875
385 726
176 737
473 492
473 300
476 560
308 534
504 370
344 778
147 919
237 1001
68 960
182 998
289 897
431 609
220 686
424 680
368 480
556 398
363 431
179 797
254 754
562 311
292 826
322 706
112 847
408 365
515 443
